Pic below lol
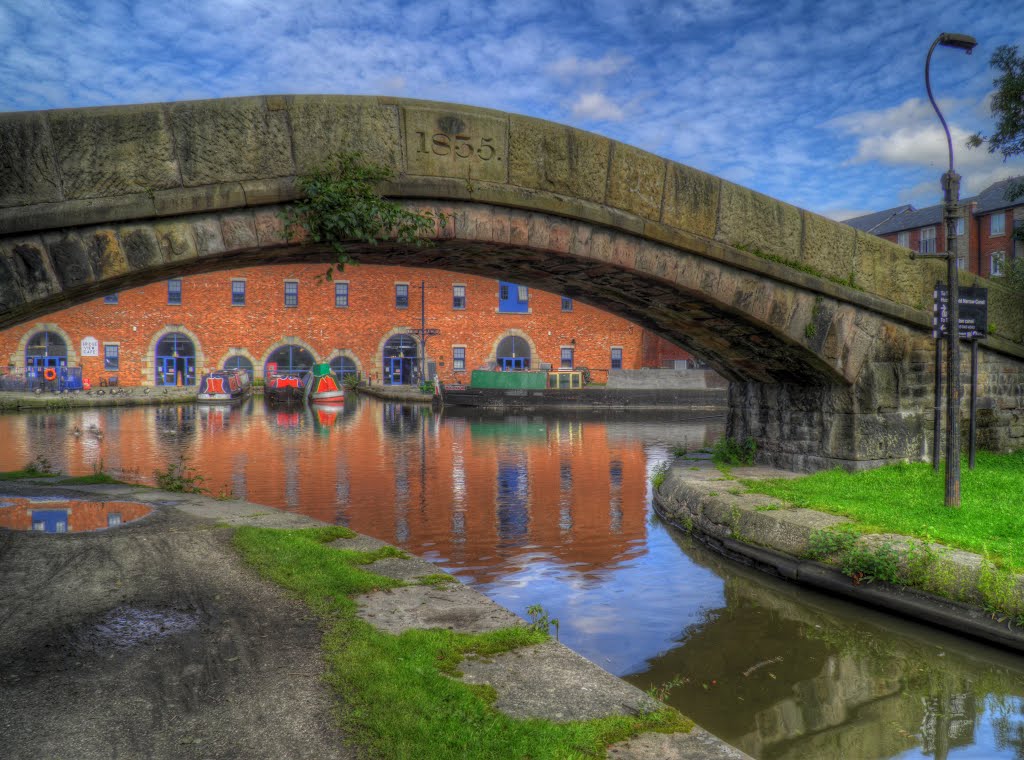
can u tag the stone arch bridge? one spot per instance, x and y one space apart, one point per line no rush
823 331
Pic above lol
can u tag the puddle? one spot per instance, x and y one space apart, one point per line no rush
126 627
49 515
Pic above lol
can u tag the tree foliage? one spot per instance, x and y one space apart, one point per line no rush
341 205
1008 110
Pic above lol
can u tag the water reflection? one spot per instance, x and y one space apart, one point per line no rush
554 510
784 673
64 516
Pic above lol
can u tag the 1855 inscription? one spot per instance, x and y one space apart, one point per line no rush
461 144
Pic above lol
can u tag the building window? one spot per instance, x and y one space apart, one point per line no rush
111 357
998 224
566 304
401 296
903 238
514 299
458 358
567 357
111 298
238 292
113 519
341 295
458 296
291 293
174 292
998 263
959 226
927 240
616 358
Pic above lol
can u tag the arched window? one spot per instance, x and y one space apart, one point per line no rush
291 358
45 349
239 362
175 360
343 365
513 353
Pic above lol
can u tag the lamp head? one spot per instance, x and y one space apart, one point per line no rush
961 41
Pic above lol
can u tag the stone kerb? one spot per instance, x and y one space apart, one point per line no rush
100 166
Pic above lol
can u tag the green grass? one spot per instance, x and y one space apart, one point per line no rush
908 499
95 479
398 698
28 472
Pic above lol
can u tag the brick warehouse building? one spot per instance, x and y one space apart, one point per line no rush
366 321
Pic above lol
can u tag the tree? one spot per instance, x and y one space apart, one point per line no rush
341 205
1008 110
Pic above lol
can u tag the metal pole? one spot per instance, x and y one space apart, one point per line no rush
937 439
951 183
974 402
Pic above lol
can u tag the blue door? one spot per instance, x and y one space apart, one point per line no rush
513 363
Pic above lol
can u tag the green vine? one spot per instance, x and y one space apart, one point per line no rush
341 205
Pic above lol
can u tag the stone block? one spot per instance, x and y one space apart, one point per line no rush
10 293
322 125
31 267
141 248
69 258
229 140
28 171
113 151
886 270
105 253
206 231
175 240
238 230
691 200
757 223
269 227
829 248
636 181
558 159
469 144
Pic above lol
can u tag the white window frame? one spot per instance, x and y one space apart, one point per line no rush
997 264
456 359
903 238
928 243
992 231
116 345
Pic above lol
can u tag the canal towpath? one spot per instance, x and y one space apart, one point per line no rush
236 668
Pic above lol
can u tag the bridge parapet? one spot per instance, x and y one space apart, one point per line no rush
91 166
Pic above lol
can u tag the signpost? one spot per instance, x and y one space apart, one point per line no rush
973 324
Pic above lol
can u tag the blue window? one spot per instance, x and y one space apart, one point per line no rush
401 296
616 358
238 292
458 358
291 293
566 304
111 298
458 296
174 292
341 295
513 298
111 357
567 357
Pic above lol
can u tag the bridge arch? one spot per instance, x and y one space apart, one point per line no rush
97 200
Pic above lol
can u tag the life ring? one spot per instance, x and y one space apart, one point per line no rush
50 373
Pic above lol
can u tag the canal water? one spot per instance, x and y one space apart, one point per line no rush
554 510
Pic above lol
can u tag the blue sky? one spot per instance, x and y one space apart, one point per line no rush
821 104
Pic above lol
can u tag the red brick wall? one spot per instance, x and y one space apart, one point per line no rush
657 351
142 314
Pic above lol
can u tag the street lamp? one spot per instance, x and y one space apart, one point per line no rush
951 198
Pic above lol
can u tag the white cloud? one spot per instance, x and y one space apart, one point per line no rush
595 105
571 66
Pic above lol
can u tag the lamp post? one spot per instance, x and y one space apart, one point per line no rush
951 203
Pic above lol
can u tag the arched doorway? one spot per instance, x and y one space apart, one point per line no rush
289 358
45 349
175 360
400 360
343 365
513 353
240 362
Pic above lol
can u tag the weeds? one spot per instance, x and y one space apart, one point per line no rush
659 474
180 477
540 621
730 451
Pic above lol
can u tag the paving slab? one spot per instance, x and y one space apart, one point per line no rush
551 681
454 608
358 544
411 569
696 745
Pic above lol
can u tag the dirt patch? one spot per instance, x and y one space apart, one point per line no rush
155 641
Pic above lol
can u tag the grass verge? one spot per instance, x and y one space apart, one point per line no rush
399 699
908 499
95 479
26 473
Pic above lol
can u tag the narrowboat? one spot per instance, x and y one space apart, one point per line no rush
224 385
322 386
569 389
285 387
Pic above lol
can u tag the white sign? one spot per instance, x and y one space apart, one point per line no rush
90 346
